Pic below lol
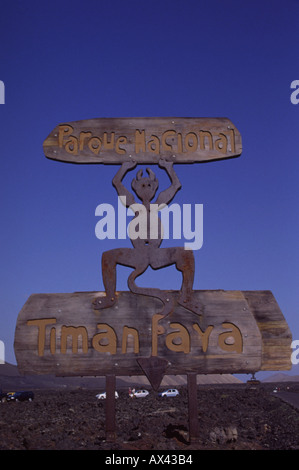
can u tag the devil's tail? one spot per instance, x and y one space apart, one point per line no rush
165 297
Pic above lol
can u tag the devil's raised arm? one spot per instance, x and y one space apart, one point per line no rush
127 198
168 194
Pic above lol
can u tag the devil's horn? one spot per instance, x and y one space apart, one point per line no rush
139 174
151 174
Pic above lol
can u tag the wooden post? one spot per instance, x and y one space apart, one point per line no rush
110 408
192 408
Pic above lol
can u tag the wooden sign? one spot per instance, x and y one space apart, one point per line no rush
145 140
237 332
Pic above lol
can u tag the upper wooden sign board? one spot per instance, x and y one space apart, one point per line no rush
145 140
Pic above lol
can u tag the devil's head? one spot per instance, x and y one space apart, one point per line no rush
145 187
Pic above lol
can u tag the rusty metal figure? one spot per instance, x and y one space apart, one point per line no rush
147 251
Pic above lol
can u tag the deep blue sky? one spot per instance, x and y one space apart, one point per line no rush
72 60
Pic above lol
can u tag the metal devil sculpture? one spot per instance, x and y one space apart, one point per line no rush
147 251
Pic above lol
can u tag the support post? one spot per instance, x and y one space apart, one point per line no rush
110 408
192 408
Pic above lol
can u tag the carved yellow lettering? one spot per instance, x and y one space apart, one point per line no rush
232 140
231 340
63 131
180 143
165 145
125 339
178 340
203 137
108 337
94 145
139 141
41 339
108 145
156 330
82 137
191 142
74 332
71 145
53 341
120 141
221 143
204 335
153 145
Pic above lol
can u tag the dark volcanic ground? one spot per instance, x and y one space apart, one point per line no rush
230 417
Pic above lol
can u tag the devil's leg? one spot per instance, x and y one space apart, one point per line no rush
110 259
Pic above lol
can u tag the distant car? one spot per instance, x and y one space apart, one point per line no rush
19 396
102 396
3 397
171 392
141 393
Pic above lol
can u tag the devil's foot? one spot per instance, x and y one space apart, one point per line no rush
103 302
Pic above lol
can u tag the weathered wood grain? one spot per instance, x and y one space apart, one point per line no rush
276 335
145 140
238 332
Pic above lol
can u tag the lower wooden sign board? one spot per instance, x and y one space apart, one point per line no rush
237 332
